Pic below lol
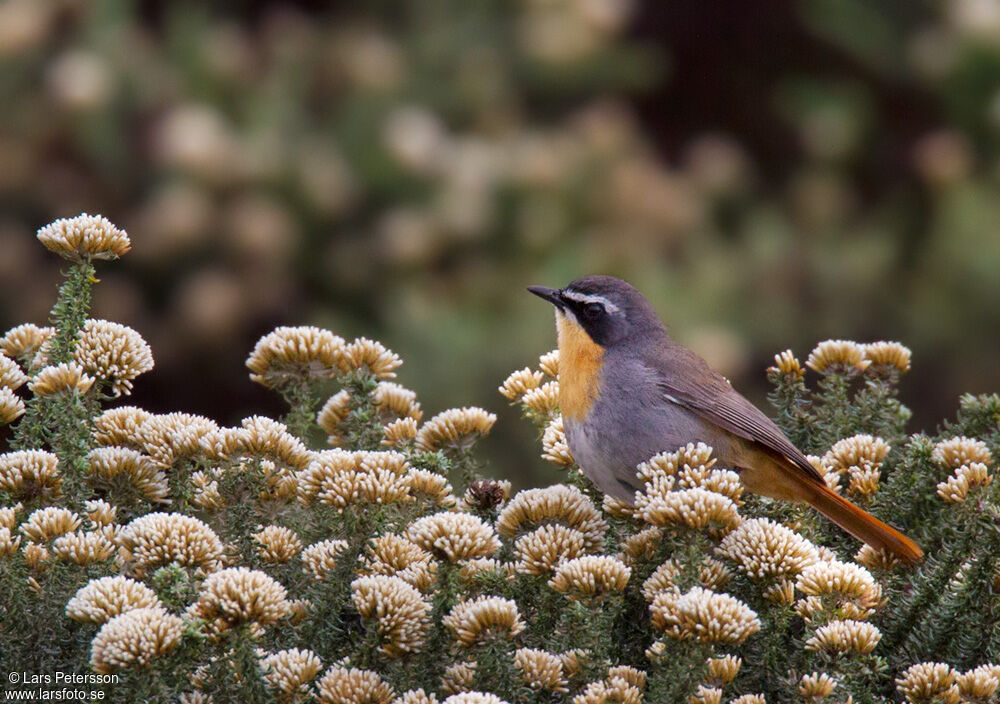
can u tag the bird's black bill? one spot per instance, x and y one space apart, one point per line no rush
552 295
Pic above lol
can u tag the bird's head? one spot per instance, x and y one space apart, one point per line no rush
607 309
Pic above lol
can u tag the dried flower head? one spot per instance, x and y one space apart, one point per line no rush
30 473
454 536
342 685
25 341
277 544
396 402
845 636
815 686
540 669
11 406
114 353
398 608
979 684
157 539
861 457
134 638
111 468
84 237
473 621
68 377
961 450
545 548
956 488
704 616
121 426
46 524
549 364
555 449
928 682
102 599
837 356
763 549
394 555
888 355
11 376
456 428
590 576
519 383
542 401
289 354
559 503
850 587
84 548
290 671
321 558
431 485
400 432
237 595
723 669
485 494
785 363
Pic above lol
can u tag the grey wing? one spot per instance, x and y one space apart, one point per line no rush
687 380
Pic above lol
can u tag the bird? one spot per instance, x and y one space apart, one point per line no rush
628 391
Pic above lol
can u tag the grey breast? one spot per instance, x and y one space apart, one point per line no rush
630 422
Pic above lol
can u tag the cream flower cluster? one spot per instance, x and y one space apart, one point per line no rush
85 237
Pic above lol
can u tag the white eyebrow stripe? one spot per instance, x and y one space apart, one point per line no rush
590 298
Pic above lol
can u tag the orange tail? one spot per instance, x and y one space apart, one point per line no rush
863 525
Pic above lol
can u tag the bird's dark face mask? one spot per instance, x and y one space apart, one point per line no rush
600 317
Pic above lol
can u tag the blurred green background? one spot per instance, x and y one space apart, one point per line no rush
771 174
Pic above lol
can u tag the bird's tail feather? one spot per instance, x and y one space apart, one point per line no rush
864 526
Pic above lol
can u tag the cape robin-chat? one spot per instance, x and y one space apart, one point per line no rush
627 391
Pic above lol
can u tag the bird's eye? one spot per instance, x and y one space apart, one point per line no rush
593 311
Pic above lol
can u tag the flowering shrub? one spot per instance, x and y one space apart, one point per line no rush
328 557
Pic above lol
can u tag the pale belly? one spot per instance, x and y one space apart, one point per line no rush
623 431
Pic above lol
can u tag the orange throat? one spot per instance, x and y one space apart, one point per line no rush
580 361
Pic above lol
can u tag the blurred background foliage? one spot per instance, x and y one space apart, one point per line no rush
770 174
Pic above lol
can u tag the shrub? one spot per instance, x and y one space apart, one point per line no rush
252 563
